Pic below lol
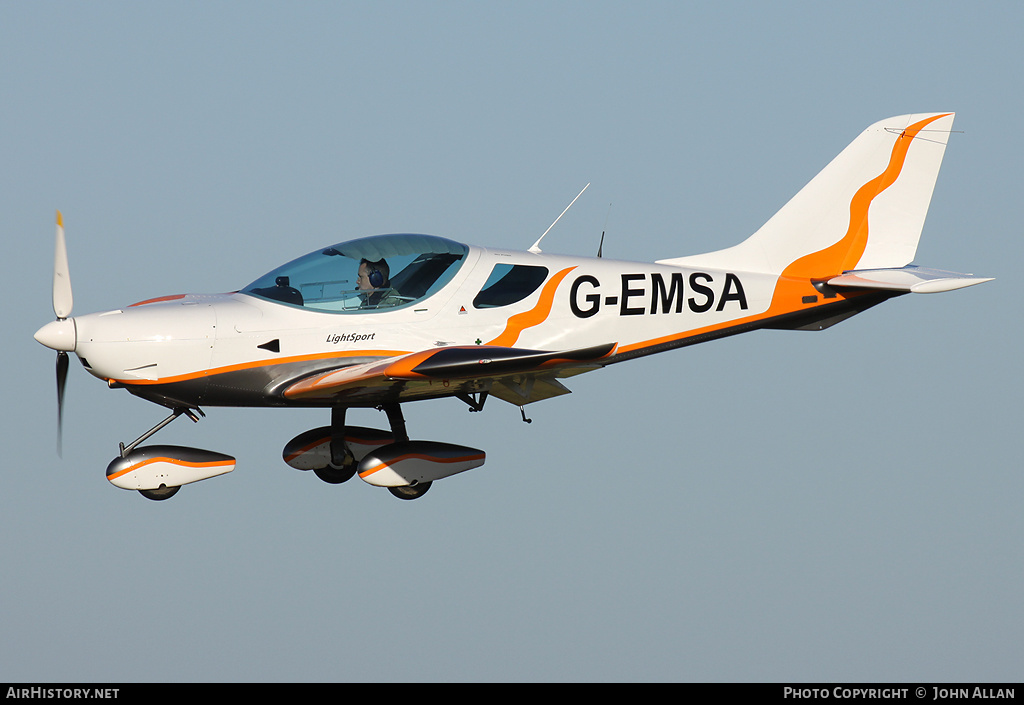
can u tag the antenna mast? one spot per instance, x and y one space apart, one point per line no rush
536 246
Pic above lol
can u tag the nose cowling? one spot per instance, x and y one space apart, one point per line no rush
60 335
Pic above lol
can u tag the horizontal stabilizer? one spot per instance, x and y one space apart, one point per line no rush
918 280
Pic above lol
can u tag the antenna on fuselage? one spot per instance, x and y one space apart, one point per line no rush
600 246
536 246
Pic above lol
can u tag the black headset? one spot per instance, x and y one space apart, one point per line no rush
376 276
373 273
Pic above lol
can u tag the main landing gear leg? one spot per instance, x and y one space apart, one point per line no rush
397 421
340 453
343 463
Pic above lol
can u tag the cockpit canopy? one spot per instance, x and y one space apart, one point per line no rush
399 270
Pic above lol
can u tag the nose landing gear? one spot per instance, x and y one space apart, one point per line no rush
159 471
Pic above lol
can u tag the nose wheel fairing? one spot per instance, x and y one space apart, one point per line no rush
164 466
158 471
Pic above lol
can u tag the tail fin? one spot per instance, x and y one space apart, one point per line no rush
865 210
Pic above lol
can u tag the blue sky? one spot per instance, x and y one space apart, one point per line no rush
784 506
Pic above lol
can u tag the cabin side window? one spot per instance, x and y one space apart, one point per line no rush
509 284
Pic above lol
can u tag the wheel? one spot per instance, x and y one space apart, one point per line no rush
410 491
161 493
335 476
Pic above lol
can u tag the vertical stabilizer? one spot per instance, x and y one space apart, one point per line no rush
865 210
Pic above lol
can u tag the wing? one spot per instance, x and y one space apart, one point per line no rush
514 375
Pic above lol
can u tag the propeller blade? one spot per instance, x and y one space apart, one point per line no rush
62 376
62 299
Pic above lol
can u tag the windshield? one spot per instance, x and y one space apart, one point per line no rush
368 274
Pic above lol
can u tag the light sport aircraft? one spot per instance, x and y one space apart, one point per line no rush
380 321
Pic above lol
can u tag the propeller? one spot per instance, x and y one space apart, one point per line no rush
62 298
60 335
62 376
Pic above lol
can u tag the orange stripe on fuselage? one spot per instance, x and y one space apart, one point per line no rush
261 363
796 281
845 254
534 317
172 297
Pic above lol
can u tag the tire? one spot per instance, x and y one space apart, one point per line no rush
335 476
161 493
410 491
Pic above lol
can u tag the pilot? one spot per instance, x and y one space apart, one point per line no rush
372 278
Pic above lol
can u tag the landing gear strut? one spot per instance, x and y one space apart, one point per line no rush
383 458
163 492
126 449
343 464
397 421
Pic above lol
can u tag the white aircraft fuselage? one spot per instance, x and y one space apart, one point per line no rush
238 349
380 321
